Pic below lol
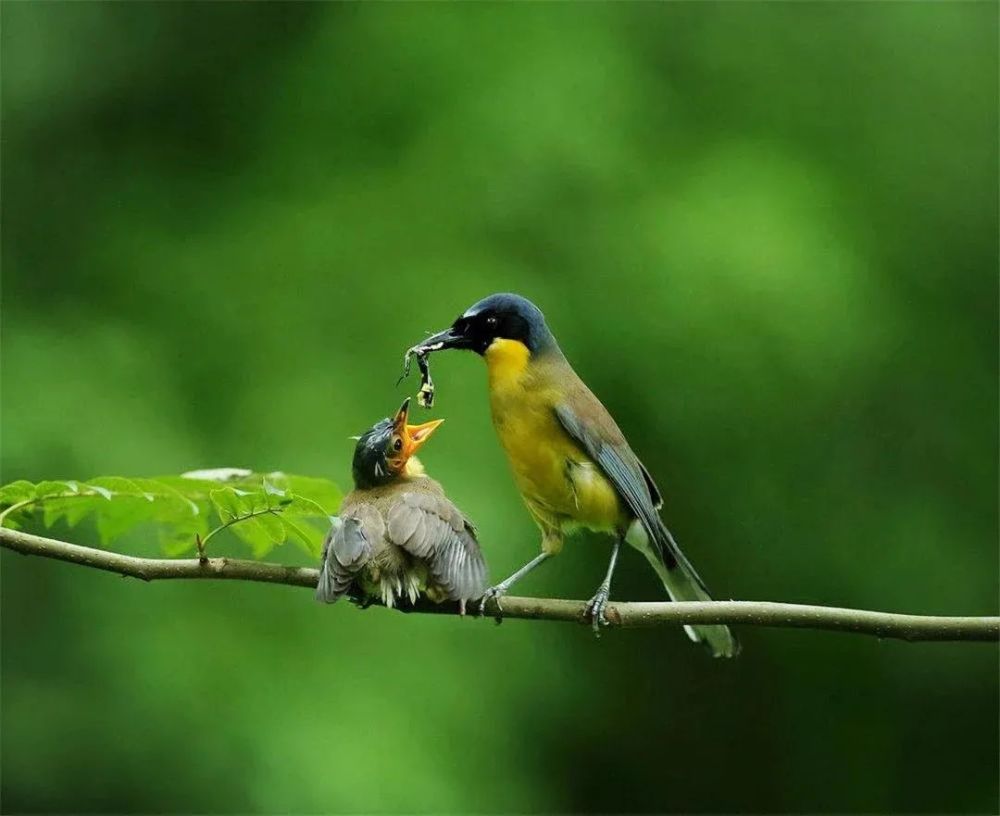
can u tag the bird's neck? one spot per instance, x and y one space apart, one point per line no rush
413 468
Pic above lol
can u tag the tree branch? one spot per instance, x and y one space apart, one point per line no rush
753 613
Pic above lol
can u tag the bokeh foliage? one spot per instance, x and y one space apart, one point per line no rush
766 234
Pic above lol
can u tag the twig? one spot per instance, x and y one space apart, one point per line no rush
751 613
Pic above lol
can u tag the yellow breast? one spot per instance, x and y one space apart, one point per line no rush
557 478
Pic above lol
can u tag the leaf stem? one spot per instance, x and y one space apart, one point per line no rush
16 506
272 510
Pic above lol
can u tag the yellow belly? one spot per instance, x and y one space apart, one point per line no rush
558 480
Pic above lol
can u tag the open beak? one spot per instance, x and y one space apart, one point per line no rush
413 436
447 339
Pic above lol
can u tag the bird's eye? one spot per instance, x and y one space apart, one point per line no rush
491 321
397 444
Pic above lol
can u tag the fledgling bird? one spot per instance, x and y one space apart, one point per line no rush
398 535
571 462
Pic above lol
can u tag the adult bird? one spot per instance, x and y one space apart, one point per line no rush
571 462
398 535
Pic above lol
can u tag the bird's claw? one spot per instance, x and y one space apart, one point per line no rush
595 610
493 594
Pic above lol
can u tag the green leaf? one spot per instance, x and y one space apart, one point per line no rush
122 515
302 509
183 507
273 526
195 501
72 510
174 506
320 491
15 492
230 503
272 490
307 534
119 486
260 532
44 489
175 543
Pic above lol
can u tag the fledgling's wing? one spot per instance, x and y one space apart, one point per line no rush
431 528
347 549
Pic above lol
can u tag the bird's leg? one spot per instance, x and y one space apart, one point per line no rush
494 592
595 606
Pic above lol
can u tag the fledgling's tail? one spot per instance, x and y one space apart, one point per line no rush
682 584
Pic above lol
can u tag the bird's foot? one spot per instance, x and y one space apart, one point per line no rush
595 609
493 594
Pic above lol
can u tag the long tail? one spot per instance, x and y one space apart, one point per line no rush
682 584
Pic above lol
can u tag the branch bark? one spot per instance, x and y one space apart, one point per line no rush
753 613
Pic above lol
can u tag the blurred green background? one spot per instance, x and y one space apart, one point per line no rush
765 234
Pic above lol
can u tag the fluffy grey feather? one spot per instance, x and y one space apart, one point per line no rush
431 528
345 552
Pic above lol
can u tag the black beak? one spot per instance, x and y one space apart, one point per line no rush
447 339
450 338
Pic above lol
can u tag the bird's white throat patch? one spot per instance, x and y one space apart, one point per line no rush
413 468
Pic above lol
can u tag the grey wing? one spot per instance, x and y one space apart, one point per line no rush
431 528
654 491
623 468
346 550
634 485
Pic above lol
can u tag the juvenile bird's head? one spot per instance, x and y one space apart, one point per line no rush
385 450
497 317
